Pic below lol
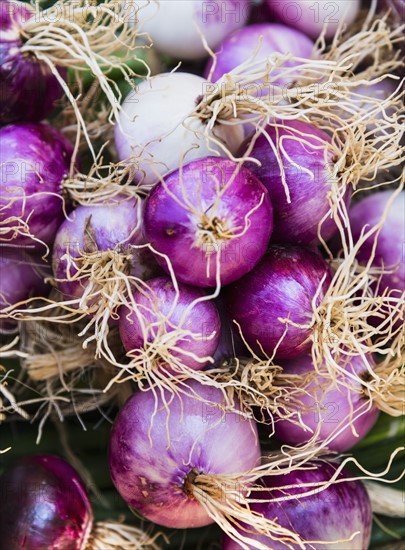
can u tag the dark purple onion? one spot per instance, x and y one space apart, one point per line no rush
150 474
174 230
21 277
273 38
34 158
28 88
106 227
296 221
282 285
335 409
333 514
390 243
159 300
44 504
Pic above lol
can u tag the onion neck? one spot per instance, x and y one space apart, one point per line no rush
189 483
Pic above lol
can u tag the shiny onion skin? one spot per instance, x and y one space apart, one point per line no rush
34 159
44 505
21 277
333 514
329 407
273 38
174 230
109 227
156 302
390 242
282 285
150 475
297 221
28 89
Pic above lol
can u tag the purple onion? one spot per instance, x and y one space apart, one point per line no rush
173 26
22 277
161 300
243 43
281 286
28 87
389 250
308 174
44 504
332 514
34 159
236 220
341 411
155 451
114 227
310 17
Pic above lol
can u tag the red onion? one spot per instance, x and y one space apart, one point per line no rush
28 87
341 408
282 286
161 309
306 158
213 220
240 46
176 27
341 512
22 277
310 17
45 504
157 131
109 232
156 453
367 213
34 159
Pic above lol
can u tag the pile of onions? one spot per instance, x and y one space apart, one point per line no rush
212 268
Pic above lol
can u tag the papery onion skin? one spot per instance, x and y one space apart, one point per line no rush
151 129
390 242
310 17
28 88
273 38
297 221
202 320
22 277
281 286
150 478
34 159
332 409
113 226
173 230
334 514
44 504
173 26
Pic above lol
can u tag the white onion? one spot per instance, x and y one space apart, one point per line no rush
156 127
174 25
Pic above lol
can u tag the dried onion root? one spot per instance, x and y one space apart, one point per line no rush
9 351
81 35
66 375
